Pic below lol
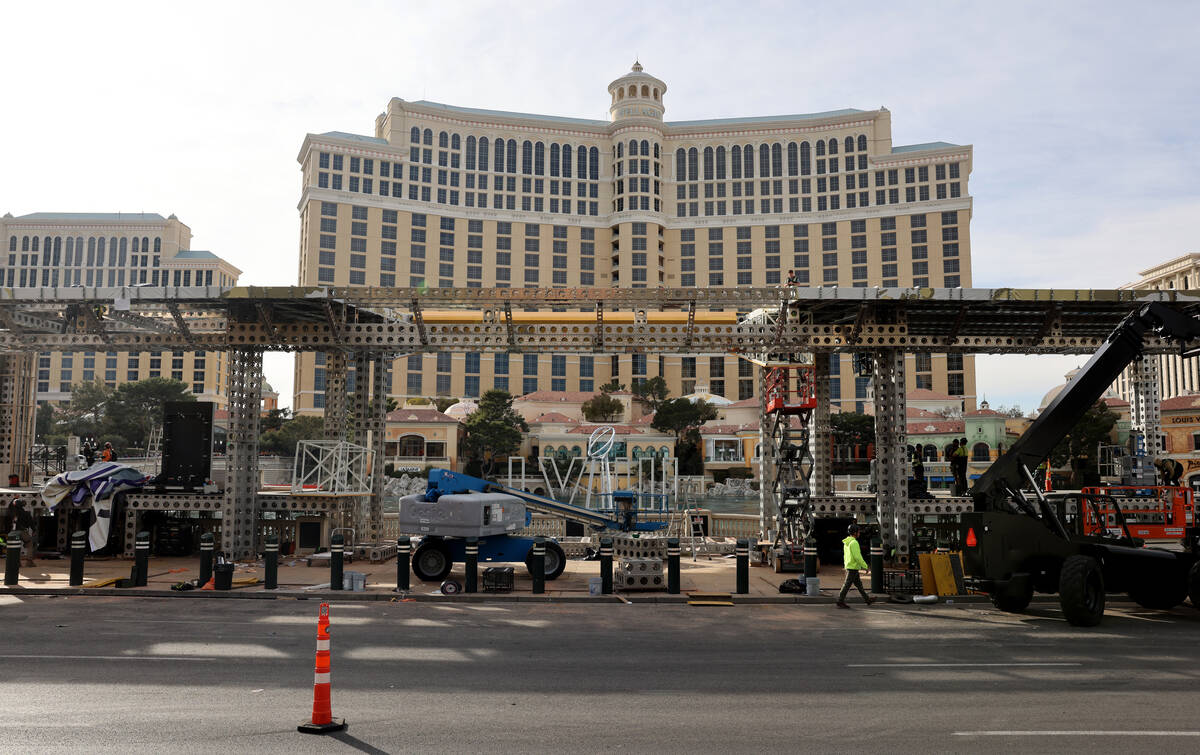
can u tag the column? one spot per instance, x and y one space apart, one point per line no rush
335 395
819 444
17 408
891 467
378 435
239 514
1145 404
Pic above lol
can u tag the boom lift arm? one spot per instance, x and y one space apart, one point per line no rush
1002 482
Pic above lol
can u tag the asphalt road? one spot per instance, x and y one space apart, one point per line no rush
155 675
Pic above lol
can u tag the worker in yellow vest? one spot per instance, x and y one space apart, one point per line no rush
853 559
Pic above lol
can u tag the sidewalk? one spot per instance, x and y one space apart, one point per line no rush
296 580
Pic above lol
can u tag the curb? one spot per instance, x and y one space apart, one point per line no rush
371 596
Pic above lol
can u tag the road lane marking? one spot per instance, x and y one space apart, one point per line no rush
109 657
953 665
1077 733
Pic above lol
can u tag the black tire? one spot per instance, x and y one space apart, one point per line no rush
1013 601
431 561
1194 585
556 560
1081 591
1161 596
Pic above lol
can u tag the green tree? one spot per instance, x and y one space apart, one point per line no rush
275 419
683 418
1078 449
602 408
84 415
284 440
44 421
136 407
652 392
494 430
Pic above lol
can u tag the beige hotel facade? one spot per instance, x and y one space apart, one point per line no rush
447 196
54 250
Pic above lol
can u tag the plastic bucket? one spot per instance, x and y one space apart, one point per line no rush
813 587
223 576
354 580
595 586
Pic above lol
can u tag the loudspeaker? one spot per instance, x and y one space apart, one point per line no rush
187 443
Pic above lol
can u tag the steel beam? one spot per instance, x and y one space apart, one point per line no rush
335 395
891 462
239 514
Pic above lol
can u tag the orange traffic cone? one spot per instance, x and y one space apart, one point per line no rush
322 721
211 584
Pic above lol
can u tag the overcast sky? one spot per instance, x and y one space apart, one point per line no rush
1083 116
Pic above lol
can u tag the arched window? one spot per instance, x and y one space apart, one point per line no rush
12 247
620 93
620 150
720 163
820 148
499 166
594 162
793 159
548 451
656 93
637 453
693 159
576 451
708 163
680 165
849 144
805 159
411 446
748 160
455 141
980 452
776 160
539 159
656 150
483 153
833 146
645 148
136 242
414 136
512 155
581 162
930 452
428 137
566 158
554 159
12 243
633 147
735 162
645 91
470 160
443 139
862 143
527 157
664 452
157 244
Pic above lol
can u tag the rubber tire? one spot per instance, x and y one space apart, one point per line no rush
1081 591
1012 603
556 560
1161 596
431 561
1194 585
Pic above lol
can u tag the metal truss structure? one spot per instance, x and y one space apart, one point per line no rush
333 467
371 326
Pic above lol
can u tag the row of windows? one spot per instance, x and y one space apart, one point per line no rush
505 155
741 159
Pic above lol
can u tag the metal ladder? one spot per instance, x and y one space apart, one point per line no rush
154 443
696 527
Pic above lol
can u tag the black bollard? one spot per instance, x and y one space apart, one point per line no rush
336 545
810 559
403 555
12 558
78 549
877 565
141 559
472 564
271 562
606 558
742 551
538 566
206 558
673 566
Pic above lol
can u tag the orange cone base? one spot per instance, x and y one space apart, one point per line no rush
337 724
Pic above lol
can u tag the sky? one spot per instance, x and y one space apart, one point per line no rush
1082 115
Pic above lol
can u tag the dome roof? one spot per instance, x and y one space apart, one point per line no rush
462 409
1053 392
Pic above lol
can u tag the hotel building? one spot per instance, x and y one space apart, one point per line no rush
447 196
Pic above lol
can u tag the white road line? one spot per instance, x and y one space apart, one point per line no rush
110 657
952 665
1077 733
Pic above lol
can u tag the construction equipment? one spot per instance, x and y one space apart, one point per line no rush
1019 540
788 402
457 506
